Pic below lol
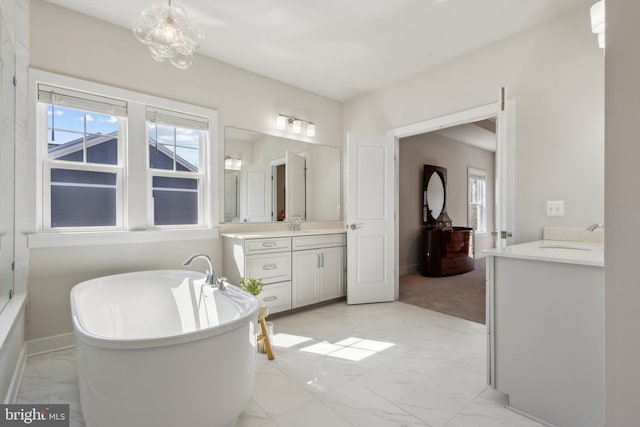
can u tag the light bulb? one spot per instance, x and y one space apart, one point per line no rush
281 122
597 17
297 126
311 129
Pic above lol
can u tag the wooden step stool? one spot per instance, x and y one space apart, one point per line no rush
264 336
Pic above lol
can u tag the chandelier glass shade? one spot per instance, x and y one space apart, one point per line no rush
168 34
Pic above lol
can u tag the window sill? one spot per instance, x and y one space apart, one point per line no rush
87 238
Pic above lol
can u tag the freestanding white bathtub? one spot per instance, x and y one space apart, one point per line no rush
160 348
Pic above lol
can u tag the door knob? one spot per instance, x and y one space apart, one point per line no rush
355 226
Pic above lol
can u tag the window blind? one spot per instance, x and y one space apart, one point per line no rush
81 100
175 118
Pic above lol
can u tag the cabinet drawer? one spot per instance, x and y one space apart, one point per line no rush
270 268
320 241
261 246
276 296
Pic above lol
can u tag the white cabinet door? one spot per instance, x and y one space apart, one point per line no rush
304 275
331 273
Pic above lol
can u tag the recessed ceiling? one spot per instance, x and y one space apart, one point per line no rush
476 134
342 48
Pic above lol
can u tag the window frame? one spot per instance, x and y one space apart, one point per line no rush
200 176
47 164
132 223
482 207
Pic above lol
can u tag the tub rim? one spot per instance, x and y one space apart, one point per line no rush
87 337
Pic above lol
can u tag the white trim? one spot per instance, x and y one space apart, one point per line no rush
87 238
209 155
49 344
13 316
176 190
80 185
16 378
447 121
531 417
450 120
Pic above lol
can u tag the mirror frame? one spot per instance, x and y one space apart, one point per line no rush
428 170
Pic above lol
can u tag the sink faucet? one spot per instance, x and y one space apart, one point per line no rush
211 274
593 227
294 223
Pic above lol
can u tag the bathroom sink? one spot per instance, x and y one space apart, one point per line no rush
574 248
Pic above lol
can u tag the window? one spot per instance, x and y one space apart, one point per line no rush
176 144
477 204
109 159
83 168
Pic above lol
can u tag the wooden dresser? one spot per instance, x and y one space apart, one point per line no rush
447 252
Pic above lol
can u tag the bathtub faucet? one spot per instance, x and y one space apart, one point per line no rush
211 274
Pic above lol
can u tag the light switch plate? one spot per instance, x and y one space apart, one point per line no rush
555 207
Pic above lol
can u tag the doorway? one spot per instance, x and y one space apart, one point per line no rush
504 111
466 152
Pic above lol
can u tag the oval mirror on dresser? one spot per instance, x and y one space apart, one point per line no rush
435 195
446 249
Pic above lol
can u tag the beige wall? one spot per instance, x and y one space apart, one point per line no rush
554 72
437 150
78 46
622 152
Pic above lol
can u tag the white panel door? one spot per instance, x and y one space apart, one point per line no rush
370 219
295 186
255 193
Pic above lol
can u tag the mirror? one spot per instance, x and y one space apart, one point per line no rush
435 195
269 179
7 118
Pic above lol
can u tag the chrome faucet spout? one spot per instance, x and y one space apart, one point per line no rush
594 227
294 223
211 274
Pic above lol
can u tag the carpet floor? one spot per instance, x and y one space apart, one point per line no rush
462 295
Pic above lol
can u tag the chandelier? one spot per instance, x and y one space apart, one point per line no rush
168 34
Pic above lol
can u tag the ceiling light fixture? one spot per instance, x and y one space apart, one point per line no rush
296 124
597 21
168 34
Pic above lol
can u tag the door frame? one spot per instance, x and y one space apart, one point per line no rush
504 167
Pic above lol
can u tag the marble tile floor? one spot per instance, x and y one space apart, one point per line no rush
389 364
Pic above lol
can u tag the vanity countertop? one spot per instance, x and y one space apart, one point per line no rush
568 252
282 233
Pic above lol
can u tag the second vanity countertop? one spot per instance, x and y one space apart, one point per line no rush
282 233
582 253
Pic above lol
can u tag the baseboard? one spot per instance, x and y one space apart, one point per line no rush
409 269
49 344
16 380
531 417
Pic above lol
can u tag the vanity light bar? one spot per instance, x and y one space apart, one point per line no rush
296 124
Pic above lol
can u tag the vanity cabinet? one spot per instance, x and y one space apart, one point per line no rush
317 269
266 259
545 330
297 270
318 275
